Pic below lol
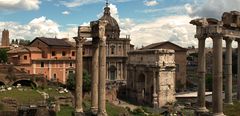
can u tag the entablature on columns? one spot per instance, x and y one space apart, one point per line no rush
209 27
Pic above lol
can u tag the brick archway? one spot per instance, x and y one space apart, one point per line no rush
24 82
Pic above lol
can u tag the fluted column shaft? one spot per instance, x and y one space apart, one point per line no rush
201 75
79 75
102 78
217 76
228 71
238 74
95 74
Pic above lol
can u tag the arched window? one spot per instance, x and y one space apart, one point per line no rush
112 49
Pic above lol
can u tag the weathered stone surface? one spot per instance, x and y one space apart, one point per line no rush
143 66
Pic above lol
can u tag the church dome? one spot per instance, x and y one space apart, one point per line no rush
112 28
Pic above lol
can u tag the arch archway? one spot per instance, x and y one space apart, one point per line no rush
141 88
27 83
141 78
112 73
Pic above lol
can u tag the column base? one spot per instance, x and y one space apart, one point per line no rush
202 110
155 105
218 114
79 114
102 114
94 111
230 103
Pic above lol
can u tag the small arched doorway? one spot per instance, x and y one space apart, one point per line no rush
27 83
112 73
141 88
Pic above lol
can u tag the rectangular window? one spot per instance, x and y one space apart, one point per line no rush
42 64
53 53
63 53
25 57
70 64
73 53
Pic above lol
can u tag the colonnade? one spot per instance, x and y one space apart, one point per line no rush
98 84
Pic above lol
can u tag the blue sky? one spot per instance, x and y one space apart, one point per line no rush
147 21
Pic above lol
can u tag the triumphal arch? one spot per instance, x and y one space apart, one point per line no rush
227 29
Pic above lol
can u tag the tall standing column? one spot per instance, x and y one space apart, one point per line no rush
228 71
102 70
95 72
79 74
238 75
201 75
217 76
102 79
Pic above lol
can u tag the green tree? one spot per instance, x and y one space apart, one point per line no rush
86 82
71 81
209 82
3 55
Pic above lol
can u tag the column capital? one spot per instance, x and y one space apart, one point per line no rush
201 36
216 35
230 39
80 40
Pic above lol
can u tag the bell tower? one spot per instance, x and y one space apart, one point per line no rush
5 38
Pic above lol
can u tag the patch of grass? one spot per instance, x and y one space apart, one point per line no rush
232 110
23 97
114 110
65 111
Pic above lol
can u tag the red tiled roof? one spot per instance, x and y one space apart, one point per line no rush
53 41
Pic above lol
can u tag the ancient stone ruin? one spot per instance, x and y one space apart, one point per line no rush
98 91
151 77
226 29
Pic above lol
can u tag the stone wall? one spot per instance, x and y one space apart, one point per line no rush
151 77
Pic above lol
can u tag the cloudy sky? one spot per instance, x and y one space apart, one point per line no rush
147 21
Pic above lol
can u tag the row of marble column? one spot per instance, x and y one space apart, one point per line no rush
98 91
217 99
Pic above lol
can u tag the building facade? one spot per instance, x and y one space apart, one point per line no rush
180 60
117 49
55 58
151 77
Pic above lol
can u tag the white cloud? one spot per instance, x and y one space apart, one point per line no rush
167 10
171 28
7 5
36 28
75 3
212 8
65 12
151 2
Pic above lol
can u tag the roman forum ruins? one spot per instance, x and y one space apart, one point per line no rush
97 32
227 29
